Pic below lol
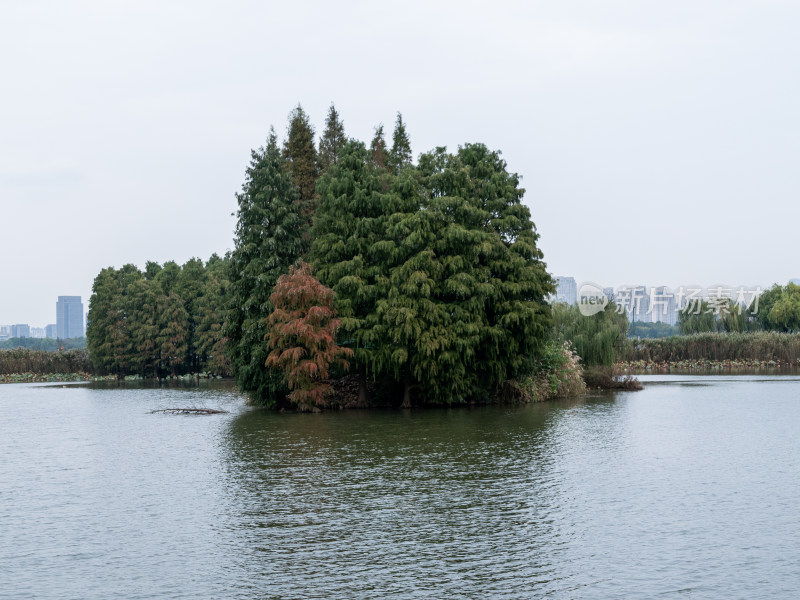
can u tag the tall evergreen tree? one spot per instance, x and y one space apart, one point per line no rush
172 339
400 154
142 301
378 151
210 339
190 287
300 157
464 309
269 239
107 334
332 140
511 278
348 224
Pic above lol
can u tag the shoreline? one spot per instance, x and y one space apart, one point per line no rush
640 367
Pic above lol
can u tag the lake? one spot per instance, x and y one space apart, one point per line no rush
686 489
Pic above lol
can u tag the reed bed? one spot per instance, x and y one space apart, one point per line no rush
755 348
42 362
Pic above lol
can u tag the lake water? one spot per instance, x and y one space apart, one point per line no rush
688 489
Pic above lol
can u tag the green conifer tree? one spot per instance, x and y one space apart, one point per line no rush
106 336
465 305
173 333
143 326
400 154
348 224
300 157
378 151
269 239
332 141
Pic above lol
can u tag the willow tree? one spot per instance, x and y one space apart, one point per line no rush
598 339
269 239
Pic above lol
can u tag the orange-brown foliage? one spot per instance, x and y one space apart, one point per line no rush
302 335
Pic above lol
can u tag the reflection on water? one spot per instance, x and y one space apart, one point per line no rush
676 490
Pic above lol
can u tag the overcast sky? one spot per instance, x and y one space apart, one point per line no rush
657 141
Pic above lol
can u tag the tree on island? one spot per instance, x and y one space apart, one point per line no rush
433 270
269 239
348 224
300 158
464 309
302 336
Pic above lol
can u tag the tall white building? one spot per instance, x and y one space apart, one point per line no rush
566 290
69 317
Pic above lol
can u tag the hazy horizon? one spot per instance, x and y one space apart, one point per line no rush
656 143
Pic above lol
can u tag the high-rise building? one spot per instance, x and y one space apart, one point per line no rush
37 332
69 317
51 331
663 306
21 331
566 290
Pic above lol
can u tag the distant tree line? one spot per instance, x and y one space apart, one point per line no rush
47 344
778 310
642 329
165 320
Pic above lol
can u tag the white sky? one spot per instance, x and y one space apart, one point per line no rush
658 141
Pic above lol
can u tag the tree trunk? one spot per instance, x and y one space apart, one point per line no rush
363 392
406 395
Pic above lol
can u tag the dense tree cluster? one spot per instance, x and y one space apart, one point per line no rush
438 281
428 273
165 320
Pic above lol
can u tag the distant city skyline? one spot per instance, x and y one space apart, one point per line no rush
69 322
